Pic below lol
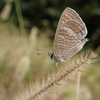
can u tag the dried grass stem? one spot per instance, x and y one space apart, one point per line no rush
63 75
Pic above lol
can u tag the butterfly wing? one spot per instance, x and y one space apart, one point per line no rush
70 32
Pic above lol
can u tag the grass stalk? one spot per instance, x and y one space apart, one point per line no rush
20 17
63 74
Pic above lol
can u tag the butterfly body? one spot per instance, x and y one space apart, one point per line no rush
69 37
56 59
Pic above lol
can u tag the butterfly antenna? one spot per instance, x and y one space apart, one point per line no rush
41 53
41 50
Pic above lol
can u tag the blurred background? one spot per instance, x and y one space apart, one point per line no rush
26 25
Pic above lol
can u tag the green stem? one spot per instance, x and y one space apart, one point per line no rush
20 18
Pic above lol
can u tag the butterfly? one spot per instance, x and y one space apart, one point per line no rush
69 37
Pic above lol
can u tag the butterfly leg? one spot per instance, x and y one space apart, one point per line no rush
55 63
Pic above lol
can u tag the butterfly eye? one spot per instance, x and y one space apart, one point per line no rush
52 55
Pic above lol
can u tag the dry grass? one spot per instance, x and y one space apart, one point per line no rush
20 65
65 73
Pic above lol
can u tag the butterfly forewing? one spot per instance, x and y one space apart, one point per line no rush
69 34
